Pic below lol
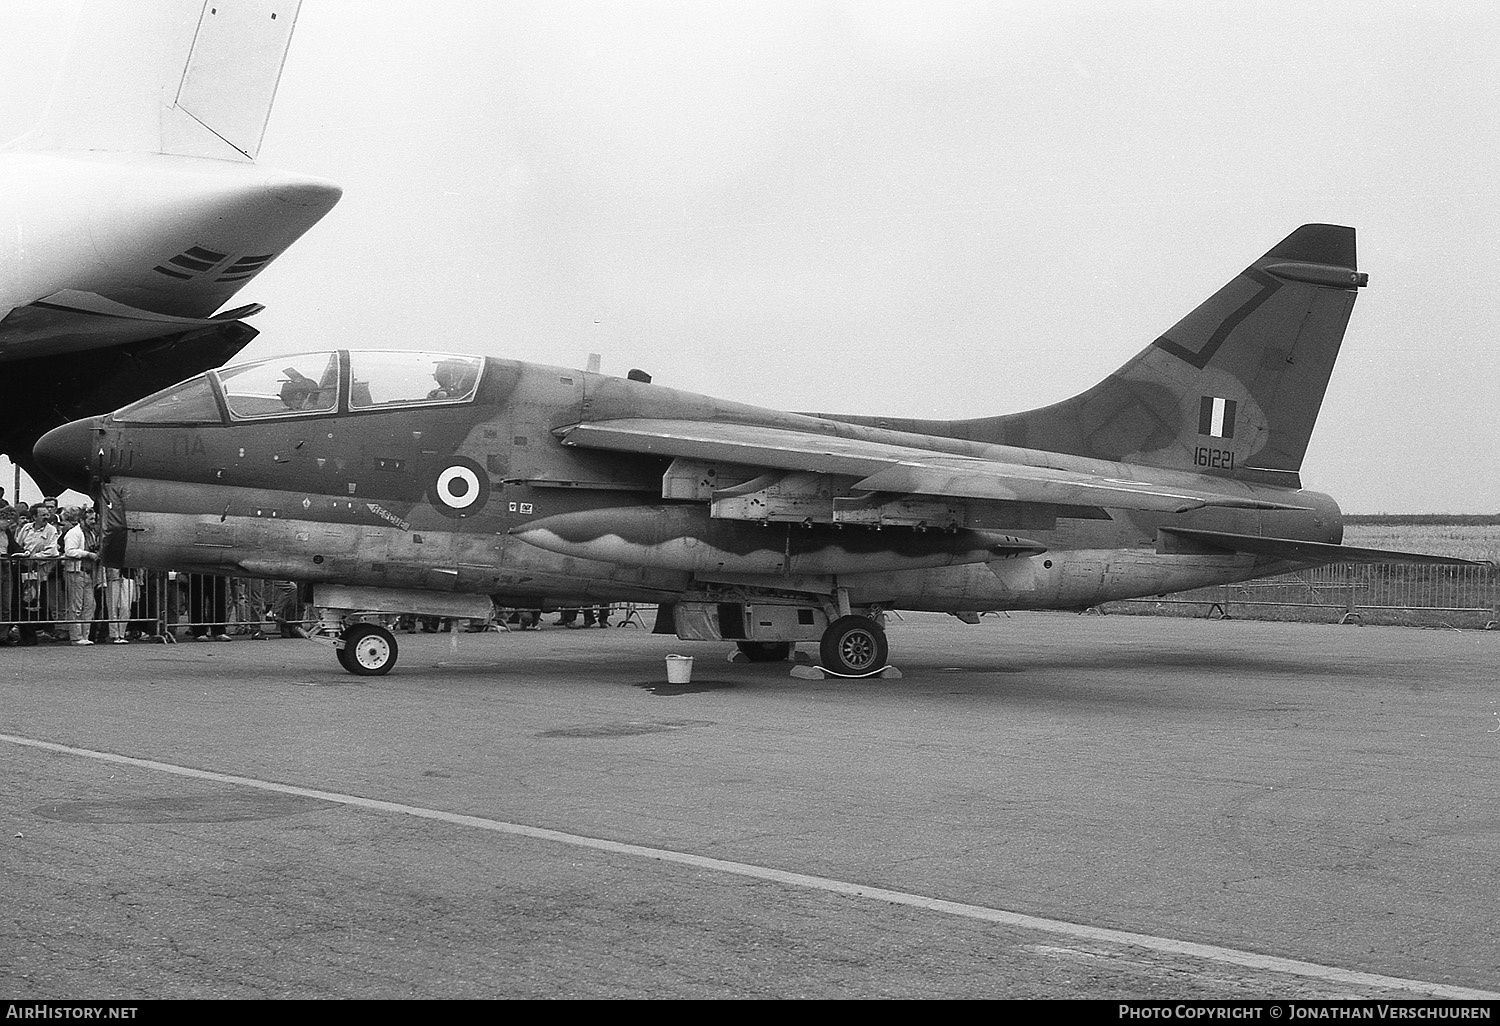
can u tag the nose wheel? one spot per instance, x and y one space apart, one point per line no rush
367 650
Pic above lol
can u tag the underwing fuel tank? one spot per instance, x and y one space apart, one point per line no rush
686 538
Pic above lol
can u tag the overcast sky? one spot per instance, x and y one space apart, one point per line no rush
926 208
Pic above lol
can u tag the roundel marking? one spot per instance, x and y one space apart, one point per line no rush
460 488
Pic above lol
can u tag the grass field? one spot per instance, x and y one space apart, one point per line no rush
1466 541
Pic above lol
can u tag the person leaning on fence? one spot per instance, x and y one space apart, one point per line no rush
39 537
80 562
39 552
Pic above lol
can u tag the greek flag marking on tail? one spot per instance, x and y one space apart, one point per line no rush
1216 417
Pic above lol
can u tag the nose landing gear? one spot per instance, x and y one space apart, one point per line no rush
367 650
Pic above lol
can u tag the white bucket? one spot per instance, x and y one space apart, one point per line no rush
679 669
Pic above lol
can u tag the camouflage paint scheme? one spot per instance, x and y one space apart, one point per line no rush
552 487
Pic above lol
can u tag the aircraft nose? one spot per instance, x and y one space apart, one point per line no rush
67 452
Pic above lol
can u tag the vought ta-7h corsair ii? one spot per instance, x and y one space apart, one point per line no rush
413 482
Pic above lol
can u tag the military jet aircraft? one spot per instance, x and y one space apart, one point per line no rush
133 212
414 482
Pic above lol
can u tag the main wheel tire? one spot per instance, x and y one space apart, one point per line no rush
765 651
369 650
854 645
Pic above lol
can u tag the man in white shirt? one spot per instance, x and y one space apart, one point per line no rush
79 560
38 538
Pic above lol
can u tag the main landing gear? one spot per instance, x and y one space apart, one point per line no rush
854 646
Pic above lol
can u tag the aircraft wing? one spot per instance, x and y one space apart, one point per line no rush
1308 551
71 321
899 469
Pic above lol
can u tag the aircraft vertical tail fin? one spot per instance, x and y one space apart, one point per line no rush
169 76
1234 387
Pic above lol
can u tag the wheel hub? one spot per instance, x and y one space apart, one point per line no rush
858 650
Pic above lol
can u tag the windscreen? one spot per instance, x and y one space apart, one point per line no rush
306 383
189 402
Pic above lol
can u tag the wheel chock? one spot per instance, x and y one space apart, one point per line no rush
814 672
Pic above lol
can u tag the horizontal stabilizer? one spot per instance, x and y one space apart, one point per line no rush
1309 551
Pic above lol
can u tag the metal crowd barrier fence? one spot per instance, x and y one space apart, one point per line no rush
1405 594
165 605
134 604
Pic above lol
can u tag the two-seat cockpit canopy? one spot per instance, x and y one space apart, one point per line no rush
313 383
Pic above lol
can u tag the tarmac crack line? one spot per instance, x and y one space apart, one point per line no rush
1080 931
